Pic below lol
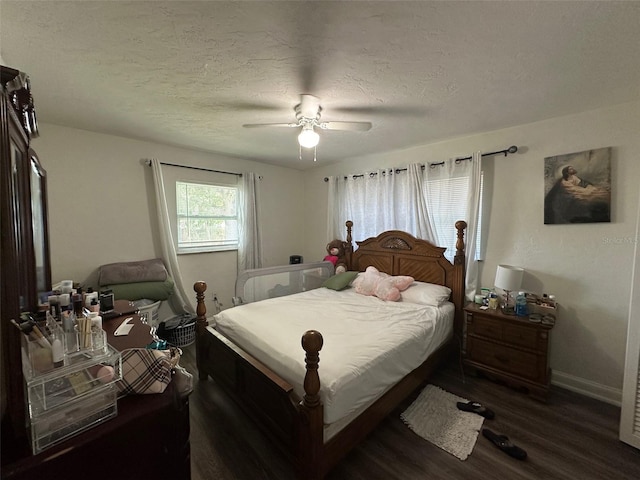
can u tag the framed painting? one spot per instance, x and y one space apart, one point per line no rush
577 187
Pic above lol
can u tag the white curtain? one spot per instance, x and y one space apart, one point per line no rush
377 201
452 193
249 236
425 202
419 222
178 300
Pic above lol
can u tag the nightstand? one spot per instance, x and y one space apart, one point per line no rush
508 348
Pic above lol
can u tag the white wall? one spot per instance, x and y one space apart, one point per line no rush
102 209
587 266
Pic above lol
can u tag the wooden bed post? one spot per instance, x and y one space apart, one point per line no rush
348 245
461 225
201 327
310 437
460 262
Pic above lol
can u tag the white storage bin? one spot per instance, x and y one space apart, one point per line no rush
150 309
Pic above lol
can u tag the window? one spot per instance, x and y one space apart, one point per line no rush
447 203
207 217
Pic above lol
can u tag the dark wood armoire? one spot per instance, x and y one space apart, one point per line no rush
24 244
149 438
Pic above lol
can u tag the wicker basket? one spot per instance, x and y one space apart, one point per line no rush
182 335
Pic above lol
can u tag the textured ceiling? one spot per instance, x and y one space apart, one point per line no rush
191 74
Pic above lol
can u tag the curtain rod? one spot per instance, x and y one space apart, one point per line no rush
195 168
506 151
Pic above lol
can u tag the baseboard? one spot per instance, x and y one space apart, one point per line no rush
587 387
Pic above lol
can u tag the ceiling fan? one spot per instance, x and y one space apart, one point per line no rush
308 113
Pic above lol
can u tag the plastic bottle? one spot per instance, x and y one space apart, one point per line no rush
57 352
77 304
96 320
94 306
494 302
521 305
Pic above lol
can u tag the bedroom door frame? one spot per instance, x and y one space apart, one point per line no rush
630 414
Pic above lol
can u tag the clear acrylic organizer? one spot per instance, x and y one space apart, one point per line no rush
73 417
82 372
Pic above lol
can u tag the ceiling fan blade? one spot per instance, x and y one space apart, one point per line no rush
258 125
411 111
242 106
352 126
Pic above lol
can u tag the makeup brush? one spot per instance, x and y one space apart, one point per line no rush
33 332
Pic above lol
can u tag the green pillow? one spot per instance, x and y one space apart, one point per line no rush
137 290
340 281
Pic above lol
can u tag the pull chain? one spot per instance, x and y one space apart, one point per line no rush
300 153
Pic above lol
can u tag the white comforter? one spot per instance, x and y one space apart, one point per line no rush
369 344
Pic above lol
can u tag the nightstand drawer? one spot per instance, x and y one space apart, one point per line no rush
506 359
521 335
487 327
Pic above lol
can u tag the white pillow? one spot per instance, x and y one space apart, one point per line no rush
426 294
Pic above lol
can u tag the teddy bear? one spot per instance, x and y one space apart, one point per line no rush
384 286
335 251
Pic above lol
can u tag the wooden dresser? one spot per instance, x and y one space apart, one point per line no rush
148 439
508 348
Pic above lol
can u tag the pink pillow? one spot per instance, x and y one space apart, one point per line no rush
379 284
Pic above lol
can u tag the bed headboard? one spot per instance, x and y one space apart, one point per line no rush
399 253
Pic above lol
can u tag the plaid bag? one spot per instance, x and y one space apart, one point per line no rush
146 370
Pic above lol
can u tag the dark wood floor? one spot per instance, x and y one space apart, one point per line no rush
570 437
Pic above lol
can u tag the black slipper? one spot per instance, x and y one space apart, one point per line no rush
504 444
475 407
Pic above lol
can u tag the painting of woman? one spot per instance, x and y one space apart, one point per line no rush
578 187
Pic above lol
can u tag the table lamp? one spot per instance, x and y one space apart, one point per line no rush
508 278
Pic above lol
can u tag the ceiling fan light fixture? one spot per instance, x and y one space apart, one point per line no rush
308 138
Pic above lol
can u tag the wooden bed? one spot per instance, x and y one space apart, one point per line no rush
296 425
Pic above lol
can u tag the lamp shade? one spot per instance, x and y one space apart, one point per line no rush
508 278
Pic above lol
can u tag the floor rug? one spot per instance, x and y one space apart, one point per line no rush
435 417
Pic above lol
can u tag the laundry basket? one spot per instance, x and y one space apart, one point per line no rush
179 330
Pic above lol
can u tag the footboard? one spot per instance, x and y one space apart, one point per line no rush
263 395
296 425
